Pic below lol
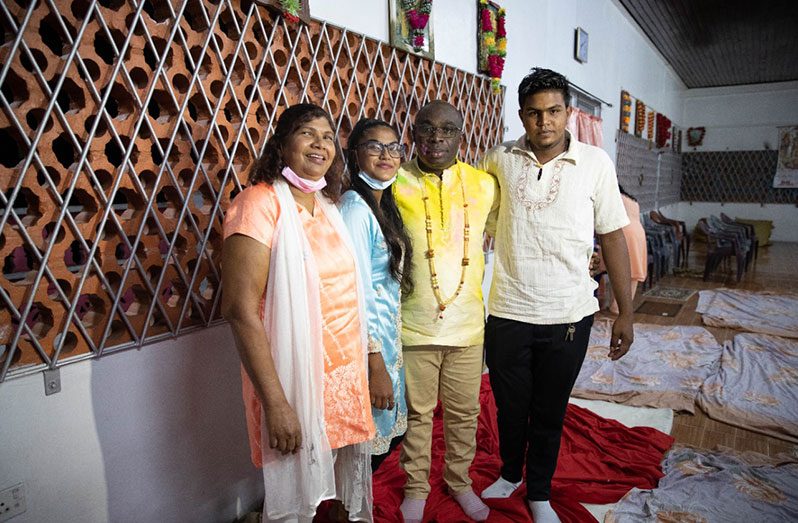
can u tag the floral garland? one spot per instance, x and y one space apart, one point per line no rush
640 118
663 130
695 136
626 111
290 10
650 126
494 42
417 14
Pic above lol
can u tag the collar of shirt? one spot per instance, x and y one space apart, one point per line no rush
413 167
571 154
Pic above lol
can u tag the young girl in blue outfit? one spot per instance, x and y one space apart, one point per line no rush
384 251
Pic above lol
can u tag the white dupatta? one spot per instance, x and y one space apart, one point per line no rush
295 484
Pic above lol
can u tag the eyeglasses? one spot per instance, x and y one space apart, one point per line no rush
375 148
426 131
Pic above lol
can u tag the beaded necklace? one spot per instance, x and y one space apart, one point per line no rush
430 252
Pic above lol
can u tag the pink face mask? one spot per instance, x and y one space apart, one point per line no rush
306 186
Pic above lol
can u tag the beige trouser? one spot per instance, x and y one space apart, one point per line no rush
454 374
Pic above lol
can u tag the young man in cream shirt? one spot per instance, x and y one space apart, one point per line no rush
555 193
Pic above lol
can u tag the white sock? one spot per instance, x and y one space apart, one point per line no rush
413 510
472 505
500 489
542 512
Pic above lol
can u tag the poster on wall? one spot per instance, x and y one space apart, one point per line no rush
411 26
787 166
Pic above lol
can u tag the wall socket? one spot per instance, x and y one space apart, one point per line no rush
12 502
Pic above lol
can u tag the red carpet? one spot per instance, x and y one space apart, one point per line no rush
600 460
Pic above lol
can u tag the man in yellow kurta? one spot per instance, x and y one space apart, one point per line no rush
445 205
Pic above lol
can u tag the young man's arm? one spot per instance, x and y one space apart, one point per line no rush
616 258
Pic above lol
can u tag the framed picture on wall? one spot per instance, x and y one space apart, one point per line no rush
410 24
695 136
484 42
301 11
581 42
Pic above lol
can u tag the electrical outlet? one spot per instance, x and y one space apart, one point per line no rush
12 502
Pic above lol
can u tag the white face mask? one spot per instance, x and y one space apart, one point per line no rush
306 186
377 185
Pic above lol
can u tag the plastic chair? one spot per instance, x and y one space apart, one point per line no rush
718 249
665 244
749 230
723 242
742 242
682 236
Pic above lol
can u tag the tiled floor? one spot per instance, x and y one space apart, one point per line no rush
774 270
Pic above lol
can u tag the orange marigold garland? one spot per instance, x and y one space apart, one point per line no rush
650 126
417 15
626 111
493 38
640 118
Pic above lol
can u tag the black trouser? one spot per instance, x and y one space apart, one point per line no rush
377 459
532 371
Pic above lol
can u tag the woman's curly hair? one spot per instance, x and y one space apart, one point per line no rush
270 164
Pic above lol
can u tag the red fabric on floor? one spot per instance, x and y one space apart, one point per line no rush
600 460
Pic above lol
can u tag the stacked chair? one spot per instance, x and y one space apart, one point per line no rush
682 236
652 264
750 232
663 248
726 241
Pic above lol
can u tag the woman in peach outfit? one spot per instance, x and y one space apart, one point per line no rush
292 296
636 244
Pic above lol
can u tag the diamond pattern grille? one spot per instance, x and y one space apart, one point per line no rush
670 178
653 177
128 126
733 176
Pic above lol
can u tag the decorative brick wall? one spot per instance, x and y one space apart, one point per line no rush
126 129
733 176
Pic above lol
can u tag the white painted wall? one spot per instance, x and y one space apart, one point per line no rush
783 216
159 434
150 435
540 33
741 118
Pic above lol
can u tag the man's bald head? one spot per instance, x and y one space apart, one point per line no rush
439 106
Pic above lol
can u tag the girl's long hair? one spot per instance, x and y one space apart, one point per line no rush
387 213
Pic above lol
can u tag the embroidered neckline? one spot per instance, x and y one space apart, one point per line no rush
529 176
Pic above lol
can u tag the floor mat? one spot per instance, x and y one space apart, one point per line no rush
659 308
718 485
763 312
670 293
756 386
664 368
